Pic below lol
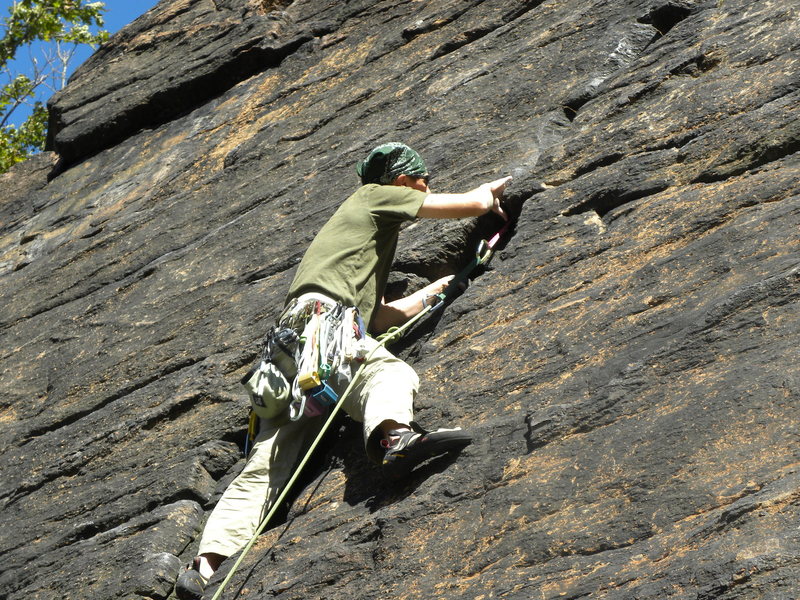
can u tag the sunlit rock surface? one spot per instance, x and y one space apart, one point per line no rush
628 364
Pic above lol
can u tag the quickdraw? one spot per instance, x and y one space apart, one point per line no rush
483 255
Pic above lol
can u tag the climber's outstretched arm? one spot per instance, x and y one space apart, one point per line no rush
474 203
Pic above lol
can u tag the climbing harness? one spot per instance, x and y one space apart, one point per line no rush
331 337
293 315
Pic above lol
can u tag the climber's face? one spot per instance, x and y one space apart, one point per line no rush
415 183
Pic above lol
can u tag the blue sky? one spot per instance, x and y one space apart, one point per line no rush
118 13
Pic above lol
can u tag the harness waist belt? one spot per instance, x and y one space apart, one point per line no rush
298 309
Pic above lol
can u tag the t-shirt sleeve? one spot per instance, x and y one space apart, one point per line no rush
393 204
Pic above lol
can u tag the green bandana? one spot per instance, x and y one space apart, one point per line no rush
388 161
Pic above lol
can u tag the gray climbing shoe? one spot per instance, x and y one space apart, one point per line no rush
190 584
405 449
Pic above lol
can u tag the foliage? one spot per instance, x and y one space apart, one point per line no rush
17 144
64 25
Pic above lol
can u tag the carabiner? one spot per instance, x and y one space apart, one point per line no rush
483 254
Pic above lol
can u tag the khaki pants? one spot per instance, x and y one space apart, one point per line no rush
385 390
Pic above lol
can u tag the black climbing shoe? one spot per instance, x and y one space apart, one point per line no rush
407 449
190 584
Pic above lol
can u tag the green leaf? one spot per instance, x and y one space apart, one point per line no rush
29 21
18 144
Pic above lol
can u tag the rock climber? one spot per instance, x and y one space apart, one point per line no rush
347 265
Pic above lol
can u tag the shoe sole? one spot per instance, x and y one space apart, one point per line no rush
190 585
429 445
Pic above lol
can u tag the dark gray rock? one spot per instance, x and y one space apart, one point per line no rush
627 363
171 60
20 186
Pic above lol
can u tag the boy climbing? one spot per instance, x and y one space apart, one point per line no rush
346 268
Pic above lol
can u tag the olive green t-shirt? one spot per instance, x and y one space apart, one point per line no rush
350 258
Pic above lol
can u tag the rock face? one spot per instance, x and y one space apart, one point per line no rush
627 364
